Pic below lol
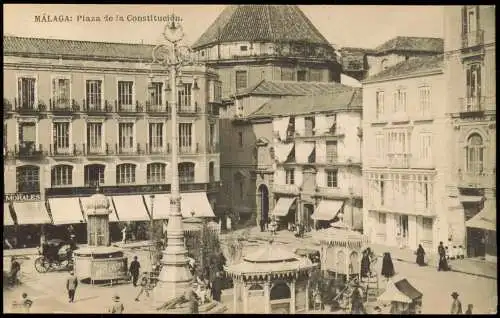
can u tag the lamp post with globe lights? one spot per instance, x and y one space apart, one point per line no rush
175 277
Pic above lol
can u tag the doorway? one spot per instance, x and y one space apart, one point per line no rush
403 230
264 202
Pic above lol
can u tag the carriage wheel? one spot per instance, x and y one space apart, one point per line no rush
41 265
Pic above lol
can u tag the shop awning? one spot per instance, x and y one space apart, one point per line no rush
303 150
130 208
66 211
486 219
406 288
196 204
283 206
112 215
392 293
282 151
7 217
471 198
33 212
327 210
281 125
161 206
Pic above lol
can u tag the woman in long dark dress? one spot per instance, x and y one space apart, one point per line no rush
357 306
420 255
365 264
387 266
443 263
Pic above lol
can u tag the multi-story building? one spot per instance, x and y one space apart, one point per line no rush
250 43
470 72
405 125
81 114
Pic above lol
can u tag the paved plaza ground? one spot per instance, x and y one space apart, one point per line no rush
49 294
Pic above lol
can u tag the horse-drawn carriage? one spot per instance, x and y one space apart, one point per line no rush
55 254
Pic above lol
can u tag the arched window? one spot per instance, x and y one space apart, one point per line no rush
186 172
383 65
28 179
475 154
280 291
211 172
156 173
125 173
61 176
94 175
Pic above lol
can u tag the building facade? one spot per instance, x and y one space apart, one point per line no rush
405 174
470 72
87 114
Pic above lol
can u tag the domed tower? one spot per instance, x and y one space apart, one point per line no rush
250 43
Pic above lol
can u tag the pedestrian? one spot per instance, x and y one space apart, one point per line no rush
357 306
365 264
228 223
26 303
71 284
443 263
420 255
217 287
456 305
469 309
192 299
387 266
117 307
144 287
262 224
15 268
273 226
124 234
134 269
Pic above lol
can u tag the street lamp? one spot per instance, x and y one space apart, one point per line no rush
175 276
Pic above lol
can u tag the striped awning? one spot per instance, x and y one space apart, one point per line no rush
196 204
161 206
283 206
303 150
130 208
282 151
486 219
7 216
33 212
66 211
327 210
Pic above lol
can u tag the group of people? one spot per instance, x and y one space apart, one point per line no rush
367 260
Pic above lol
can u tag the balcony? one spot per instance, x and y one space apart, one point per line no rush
128 108
63 105
95 149
188 109
129 150
26 151
189 150
472 39
399 160
97 107
286 188
157 150
479 179
55 151
345 192
159 109
476 106
28 107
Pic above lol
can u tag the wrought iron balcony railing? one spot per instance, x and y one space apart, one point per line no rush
399 160
286 188
27 150
472 38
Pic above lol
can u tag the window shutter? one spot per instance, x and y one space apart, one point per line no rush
395 101
54 90
478 81
20 90
54 134
464 20
468 81
477 18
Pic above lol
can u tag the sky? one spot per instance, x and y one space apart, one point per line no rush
343 25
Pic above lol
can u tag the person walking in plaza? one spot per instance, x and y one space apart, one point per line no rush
217 287
134 269
365 264
357 306
71 284
443 263
273 226
387 266
15 268
469 309
420 255
117 307
124 234
262 224
144 287
456 305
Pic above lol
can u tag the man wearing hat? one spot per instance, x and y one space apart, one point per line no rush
456 305
71 284
117 307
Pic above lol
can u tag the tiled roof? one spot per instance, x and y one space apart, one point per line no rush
342 98
286 23
66 48
412 66
287 88
413 44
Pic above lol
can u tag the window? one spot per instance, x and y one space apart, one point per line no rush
379 112
289 176
126 136
155 137
211 172
331 178
243 48
184 95
379 146
315 76
156 94
28 179
427 229
94 175
211 135
309 126
474 150
301 76
240 139
287 74
61 137
61 92
125 93
186 172
62 176
427 193
218 91
382 190
156 173
470 19
94 137
185 137
331 151
125 173
27 136
381 222
26 92
424 98
473 82
240 184
241 79
94 94
399 101
398 142
425 147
